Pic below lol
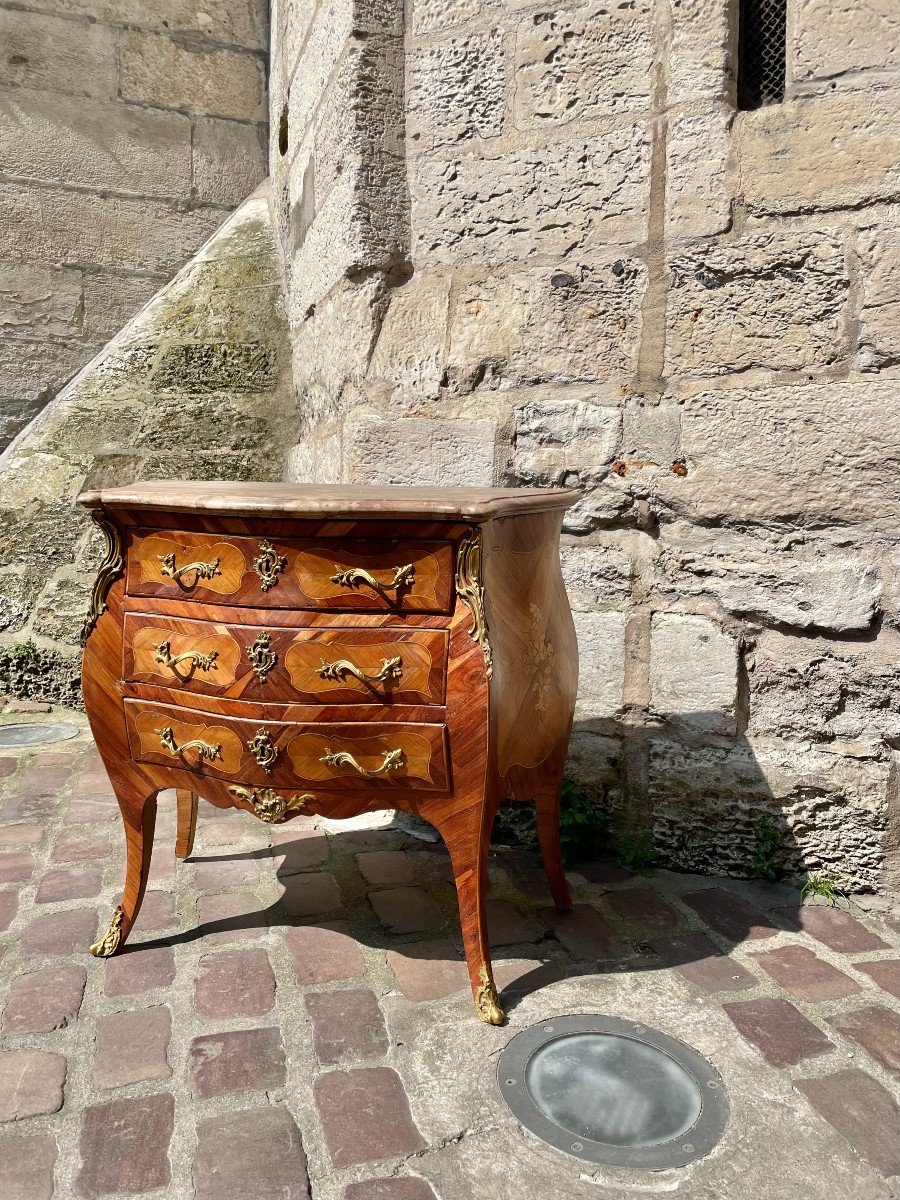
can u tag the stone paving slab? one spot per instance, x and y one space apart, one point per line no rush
292 1018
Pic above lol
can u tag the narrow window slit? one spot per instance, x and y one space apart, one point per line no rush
762 50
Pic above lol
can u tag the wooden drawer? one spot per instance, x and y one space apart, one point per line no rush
331 756
312 666
334 574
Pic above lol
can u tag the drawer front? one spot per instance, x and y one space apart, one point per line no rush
331 574
328 755
322 666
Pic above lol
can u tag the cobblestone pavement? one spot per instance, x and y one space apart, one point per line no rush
292 1019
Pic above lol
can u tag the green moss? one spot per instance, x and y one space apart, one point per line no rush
29 672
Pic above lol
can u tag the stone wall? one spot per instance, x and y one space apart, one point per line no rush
538 244
197 386
128 131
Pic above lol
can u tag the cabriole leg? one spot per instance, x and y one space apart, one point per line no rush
547 812
187 822
139 818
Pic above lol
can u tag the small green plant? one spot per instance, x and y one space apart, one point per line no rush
637 853
831 890
583 827
768 842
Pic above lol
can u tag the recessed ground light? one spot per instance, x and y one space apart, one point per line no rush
35 735
613 1092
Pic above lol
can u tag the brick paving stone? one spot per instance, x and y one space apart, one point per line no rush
158 912
69 883
862 1111
296 850
220 875
406 910
124 1146
876 1029
132 1047
31 1084
310 894
324 953
16 866
93 780
365 1115
385 866
14 837
644 910
508 926
239 835
586 935
234 917
779 1031
408 1187
248 1154
700 962
834 928
9 904
139 969
603 872
8 767
346 1024
235 983
60 933
92 809
729 915
805 975
237 1060
43 779
428 970
81 845
27 1172
886 973
28 806
41 1001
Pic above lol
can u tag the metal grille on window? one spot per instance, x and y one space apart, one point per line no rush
761 52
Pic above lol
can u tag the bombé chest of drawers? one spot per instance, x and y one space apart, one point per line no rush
331 650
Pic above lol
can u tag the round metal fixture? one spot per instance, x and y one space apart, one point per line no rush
613 1092
36 734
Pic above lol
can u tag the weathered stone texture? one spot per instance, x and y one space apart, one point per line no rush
214 82
879 336
831 37
415 451
560 441
693 672
455 91
698 143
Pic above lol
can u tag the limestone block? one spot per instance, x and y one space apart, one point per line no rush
432 15
15 413
530 201
829 809
814 582
124 234
36 477
601 663
39 300
879 318
455 90
776 301
580 321
597 575
34 370
831 151
829 37
216 367
693 672
229 160
18 592
239 22
651 434
41 51
112 300
312 62
330 348
316 460
96 143
593 762
193 77
583 64
557 440
419 450
600 506
699 63
408 359
823 452
59 613
818 689
697 148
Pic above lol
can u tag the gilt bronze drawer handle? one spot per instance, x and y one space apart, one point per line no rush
207 750
262 657
393 760
202 570
268 564
263 750
354 576
391 668
268 805
204 662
